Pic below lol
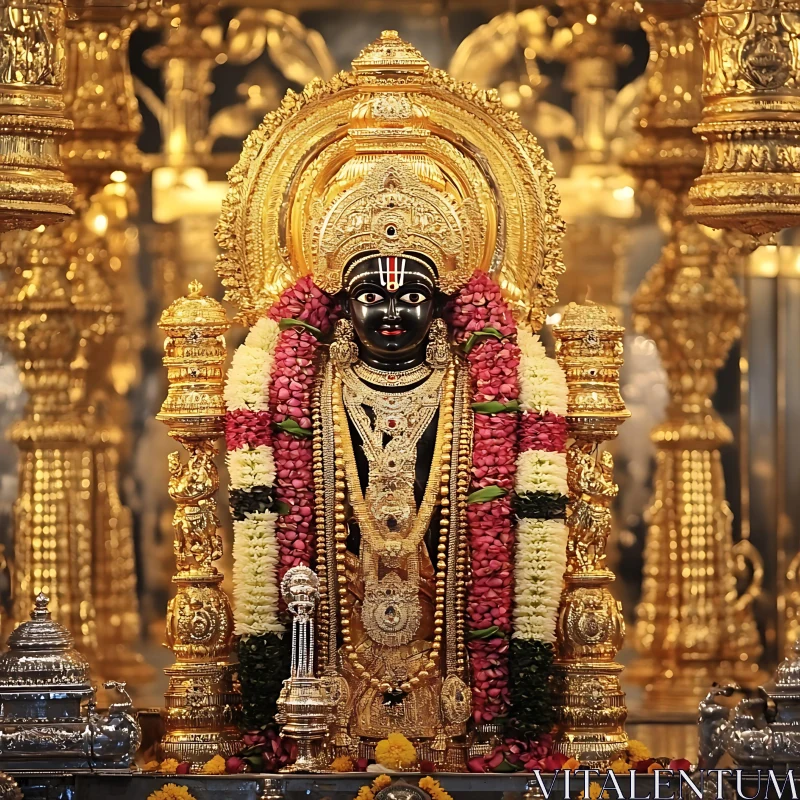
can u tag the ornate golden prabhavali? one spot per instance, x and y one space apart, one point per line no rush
404 123
201 702
751 116
689 618
33 188
590 702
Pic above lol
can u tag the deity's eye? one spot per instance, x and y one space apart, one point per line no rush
413 298
369 298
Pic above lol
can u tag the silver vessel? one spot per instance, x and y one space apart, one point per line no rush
761 731
48 716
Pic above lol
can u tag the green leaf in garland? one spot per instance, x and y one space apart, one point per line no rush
485 633
506 766
286 323
264 661
543 505
475 337
291 426
280 507
530 667
495 407
486 494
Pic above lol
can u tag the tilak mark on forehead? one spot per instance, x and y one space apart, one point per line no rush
394 270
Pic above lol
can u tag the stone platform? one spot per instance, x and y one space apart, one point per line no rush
113 786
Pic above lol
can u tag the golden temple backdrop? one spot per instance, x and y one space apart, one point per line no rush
653 129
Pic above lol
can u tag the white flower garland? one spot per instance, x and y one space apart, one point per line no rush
255 546
539 564
247 386
542 385
541 544
541 471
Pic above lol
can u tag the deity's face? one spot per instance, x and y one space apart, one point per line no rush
391 302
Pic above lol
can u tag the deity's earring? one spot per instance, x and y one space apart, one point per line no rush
437 353
344 350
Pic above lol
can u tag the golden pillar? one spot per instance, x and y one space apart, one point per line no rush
201 704
67 274
102 104
751 116
43 327
590 701
690 618
33 188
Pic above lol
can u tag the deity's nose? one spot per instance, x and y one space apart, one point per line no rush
393 315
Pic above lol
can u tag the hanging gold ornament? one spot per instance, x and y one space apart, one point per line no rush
33 188
751 116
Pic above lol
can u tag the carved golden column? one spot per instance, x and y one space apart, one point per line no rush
590 701
201 704
690 621
33 188
751 116
53 512
102 104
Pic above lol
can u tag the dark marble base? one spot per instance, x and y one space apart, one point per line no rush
461 786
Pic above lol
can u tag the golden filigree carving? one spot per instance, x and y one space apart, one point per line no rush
33 188
501 191
750 117
590 702
201 703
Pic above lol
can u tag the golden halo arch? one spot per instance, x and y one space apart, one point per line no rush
391 156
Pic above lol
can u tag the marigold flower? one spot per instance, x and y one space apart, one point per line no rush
169 765
638 751
215 766
381 782
434 788
395 751
171 791
342 764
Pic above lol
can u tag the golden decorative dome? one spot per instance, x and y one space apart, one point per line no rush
195 312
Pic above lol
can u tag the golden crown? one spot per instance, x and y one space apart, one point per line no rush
392 157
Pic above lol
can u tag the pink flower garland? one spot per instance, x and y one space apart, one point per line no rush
290 399
546 431
493 367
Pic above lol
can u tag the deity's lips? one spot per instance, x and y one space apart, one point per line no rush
392 331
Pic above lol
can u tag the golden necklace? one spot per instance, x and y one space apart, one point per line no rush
346 477
378 377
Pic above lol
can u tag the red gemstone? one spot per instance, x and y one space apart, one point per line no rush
391 423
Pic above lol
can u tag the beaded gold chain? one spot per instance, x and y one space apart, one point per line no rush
443 452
